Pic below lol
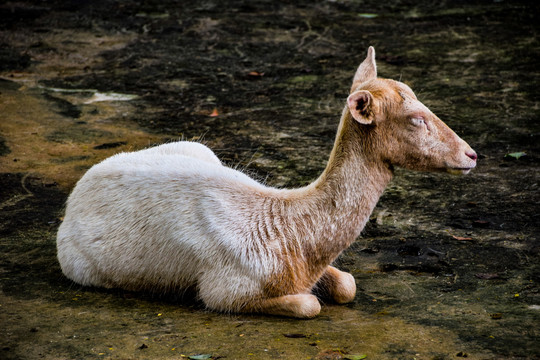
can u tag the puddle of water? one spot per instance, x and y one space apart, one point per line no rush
110 96
95 95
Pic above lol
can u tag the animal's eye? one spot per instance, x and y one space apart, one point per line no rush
418 121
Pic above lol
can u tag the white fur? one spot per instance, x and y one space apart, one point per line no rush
135 216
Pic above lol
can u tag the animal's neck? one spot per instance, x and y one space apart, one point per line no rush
346 192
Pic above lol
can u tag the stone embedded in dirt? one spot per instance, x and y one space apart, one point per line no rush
110 145
487 276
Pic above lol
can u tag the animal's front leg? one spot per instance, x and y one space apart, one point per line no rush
241 293
339 285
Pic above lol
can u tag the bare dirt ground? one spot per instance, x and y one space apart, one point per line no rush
448 267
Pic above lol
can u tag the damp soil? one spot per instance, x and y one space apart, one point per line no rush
447 267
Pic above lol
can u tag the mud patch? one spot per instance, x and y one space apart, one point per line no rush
53 135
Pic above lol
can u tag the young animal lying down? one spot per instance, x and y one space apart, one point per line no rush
172 217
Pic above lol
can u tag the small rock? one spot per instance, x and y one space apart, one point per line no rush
110 145
295 336
487 276
329 355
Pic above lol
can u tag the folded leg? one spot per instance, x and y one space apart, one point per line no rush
302 306
339 285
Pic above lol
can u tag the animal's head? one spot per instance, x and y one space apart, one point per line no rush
407 133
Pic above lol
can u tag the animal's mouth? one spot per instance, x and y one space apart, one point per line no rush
460 170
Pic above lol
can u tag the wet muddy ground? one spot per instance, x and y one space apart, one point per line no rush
448 267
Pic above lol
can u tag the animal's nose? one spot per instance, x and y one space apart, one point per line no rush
472 155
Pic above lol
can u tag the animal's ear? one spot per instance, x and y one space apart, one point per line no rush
367 69
361 106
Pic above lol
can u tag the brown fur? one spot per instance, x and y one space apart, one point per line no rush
359 168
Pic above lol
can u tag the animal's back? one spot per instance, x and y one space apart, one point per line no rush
187 148
148 220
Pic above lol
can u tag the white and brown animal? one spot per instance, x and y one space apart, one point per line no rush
173 217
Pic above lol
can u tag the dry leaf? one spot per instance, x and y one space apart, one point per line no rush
256 74
461 238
